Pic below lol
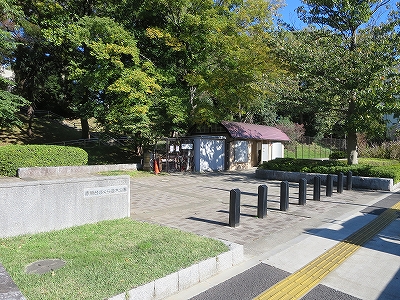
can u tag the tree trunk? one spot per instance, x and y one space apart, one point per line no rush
352 153
30 113
85 128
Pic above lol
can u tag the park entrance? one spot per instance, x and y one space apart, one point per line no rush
174 155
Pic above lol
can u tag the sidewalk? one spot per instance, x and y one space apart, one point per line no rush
280 243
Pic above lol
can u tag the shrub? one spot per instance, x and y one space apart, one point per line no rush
337 155
334 167
13 157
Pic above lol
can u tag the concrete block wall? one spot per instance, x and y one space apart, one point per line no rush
46 205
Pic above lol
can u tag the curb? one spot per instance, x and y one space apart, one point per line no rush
8 289
369 183
185 278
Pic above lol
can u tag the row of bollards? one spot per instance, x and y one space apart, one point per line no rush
234 204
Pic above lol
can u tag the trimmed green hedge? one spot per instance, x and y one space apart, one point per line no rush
337 155
13 157
334 167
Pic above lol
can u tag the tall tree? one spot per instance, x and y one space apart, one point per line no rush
108 80
346 70
38 65
75 55
216 53
9 102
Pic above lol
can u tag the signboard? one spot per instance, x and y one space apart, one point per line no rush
187 146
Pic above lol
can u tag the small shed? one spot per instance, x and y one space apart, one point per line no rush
235 145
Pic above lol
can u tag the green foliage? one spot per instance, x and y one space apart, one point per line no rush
9 12
13 157
367 169
298 165
105 73
9 102
337 155
346 72
103 155
155 67
217 53
9 106
343 16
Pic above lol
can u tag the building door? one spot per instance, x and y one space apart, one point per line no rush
277 150
265 152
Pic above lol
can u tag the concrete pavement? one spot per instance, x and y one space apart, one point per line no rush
282 242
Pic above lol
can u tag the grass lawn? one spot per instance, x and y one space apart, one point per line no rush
102 259
307 151
377 161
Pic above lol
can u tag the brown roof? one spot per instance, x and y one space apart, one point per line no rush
255 132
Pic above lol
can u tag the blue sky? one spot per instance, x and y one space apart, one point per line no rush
289 14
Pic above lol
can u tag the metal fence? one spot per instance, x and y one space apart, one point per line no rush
309 147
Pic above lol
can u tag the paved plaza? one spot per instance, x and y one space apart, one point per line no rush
282 241
199 203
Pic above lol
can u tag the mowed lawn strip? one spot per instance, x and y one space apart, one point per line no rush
102 259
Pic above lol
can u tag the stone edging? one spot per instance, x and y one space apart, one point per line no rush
371 183
8 288
185 278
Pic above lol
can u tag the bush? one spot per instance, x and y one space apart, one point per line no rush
334 167
13 157
337 155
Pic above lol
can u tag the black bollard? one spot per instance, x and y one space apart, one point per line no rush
317 188
284 203
262 201
234 208
329 185
340 183
349 180
302 191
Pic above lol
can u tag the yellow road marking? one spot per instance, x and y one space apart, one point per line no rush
302 281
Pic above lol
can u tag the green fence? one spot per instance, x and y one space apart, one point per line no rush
309 147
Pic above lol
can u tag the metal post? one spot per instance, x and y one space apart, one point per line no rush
349 180
284 202
340 183
302 191
317 188
262 201
234 208
329 185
